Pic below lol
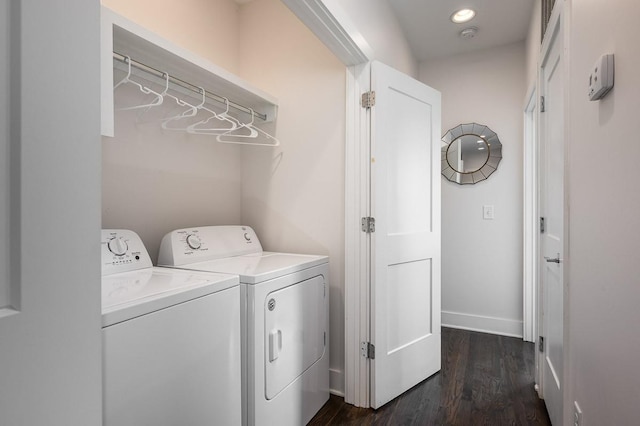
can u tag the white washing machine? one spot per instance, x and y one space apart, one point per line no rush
285 318
171 341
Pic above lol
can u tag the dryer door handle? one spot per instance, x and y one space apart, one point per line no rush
275 344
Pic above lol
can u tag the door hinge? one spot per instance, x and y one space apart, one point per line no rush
368 99
368 225
368 350
542 225
542 107
540 344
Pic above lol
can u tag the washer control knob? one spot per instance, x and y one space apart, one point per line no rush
247 237
118 246
193 241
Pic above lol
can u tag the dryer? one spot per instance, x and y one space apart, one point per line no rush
285 318
171 340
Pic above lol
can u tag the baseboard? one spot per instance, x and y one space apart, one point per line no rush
484 324
336 382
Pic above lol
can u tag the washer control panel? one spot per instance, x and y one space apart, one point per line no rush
122 250
191 245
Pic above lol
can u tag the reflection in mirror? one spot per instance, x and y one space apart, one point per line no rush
470 153
467 154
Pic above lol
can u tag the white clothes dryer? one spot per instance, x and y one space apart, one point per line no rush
285 318
170 338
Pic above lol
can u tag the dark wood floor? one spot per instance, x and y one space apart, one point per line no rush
485 380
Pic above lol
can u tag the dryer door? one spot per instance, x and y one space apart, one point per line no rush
294 332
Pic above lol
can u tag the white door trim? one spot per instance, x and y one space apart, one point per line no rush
552 29
531 217
357 260
561 15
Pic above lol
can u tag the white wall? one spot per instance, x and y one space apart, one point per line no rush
482 259
155 180
208 28
604 223
294 196
377 23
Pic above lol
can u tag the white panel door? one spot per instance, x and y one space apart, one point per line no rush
551 241
50 362
405 202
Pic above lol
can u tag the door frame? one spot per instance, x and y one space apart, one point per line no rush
530 217
357 245
561 15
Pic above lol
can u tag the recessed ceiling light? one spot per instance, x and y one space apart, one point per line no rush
463 15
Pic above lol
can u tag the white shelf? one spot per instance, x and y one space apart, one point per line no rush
128 38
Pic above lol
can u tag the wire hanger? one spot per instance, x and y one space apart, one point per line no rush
254 132
191 111
158 99
196 128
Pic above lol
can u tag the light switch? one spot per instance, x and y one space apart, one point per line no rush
487 212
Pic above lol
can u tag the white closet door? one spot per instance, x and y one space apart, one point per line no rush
50 362
552 240
405 202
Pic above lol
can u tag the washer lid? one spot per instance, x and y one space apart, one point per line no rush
258 267
131 294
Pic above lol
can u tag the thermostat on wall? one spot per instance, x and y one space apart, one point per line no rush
601 78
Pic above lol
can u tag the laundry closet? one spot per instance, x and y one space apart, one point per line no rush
162 174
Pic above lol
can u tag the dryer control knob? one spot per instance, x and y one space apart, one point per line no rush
118 246
194 242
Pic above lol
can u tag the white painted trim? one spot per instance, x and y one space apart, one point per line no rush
567 397
552 30
530 217
334 28
107 124
484 324
357 261
561 15
336 382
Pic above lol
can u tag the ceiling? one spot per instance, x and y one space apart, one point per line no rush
430 32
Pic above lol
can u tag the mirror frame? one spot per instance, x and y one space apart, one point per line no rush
494 153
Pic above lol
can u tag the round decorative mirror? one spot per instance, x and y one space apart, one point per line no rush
470 153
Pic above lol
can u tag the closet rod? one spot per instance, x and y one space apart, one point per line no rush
189 86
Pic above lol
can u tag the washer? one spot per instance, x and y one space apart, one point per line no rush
285 321
171 340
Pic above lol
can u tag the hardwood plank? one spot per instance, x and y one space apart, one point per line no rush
485 380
